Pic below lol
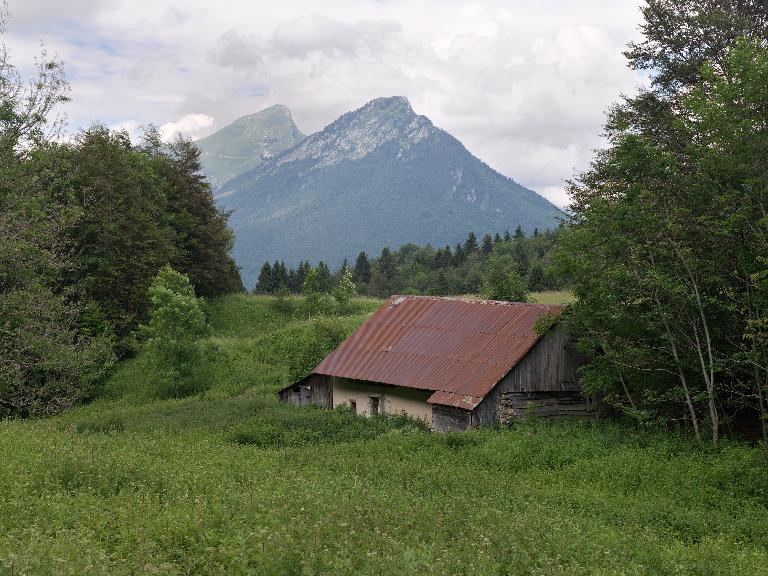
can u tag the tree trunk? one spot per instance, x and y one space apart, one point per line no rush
680 373
708 367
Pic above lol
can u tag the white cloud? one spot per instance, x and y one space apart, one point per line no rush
524 86
190 126
132 127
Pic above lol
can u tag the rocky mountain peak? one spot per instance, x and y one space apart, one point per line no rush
358 133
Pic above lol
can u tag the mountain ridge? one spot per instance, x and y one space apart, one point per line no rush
247 142
380 175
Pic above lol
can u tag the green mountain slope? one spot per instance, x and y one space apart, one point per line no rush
378 176
247 142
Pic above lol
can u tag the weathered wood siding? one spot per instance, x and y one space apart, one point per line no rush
547 373
314 389
521 405
449 419
550 366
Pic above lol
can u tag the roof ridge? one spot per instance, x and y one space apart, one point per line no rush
472 300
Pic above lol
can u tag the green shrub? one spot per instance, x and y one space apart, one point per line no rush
259 434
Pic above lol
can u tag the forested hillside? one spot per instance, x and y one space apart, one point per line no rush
471 267
84 227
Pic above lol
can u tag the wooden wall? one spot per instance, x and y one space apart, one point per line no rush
547 375
550 366
521 405
314 389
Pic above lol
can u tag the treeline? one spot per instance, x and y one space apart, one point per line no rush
468 268
668 245
84 228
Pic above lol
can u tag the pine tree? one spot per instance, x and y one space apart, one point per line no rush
536 278
459 255
279 276
470 244
384 280
301 274
362 273
519 234
487 244
521 256
265 283
201 237
324 281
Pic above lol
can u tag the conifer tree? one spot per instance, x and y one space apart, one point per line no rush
362 273
324 280
470 244
487 244
265 283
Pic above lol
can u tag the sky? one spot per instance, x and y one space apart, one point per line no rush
524 85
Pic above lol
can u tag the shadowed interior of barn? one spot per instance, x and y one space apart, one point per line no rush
453 363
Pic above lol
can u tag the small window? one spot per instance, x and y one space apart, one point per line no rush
375 405
353 406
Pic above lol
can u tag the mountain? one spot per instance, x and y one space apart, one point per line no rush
378 176
247 142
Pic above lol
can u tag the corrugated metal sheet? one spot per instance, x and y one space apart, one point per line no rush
458 348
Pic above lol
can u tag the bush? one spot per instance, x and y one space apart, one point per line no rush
176 322
259 434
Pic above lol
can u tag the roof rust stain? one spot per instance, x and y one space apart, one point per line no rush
458 348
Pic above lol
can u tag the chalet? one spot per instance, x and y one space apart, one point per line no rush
453 363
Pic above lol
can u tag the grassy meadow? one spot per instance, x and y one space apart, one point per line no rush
225 480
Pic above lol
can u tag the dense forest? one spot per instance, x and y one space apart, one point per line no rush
85 225
475 266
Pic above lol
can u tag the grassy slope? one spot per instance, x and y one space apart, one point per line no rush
228 481
552 297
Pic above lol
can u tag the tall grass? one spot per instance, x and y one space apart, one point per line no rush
229 481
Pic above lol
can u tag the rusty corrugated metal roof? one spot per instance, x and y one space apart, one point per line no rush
456 347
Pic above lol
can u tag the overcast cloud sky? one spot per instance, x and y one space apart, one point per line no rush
523 84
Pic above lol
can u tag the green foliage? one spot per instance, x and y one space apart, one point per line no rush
176 323
232 481
84 227
416 269
46 364
311 291
53 350
346 290
669 224
317 426
503 281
